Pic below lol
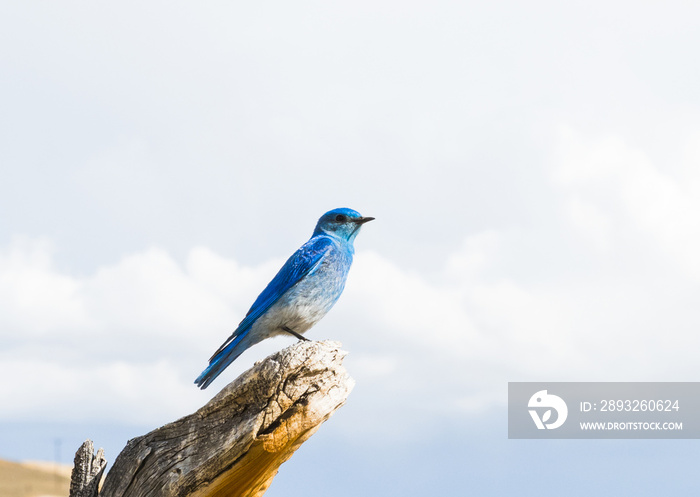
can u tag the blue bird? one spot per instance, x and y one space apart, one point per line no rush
301 293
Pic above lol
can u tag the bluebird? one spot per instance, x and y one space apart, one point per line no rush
301 293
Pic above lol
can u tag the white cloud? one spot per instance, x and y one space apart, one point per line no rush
477 253
146 324
607 174
130 337
595 226
405 304
114 391
34 298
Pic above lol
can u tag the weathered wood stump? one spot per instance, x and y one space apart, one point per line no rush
234 445
87 471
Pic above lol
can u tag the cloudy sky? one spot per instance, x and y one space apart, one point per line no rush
534 168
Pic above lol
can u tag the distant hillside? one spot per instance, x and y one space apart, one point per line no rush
33 479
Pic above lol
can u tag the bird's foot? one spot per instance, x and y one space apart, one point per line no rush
300 337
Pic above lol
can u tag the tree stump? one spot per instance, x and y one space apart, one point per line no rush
87 471
234 445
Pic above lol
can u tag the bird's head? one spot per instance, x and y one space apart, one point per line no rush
341 223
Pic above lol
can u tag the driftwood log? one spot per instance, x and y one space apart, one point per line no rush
234 445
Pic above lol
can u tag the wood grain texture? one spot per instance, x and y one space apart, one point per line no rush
234 445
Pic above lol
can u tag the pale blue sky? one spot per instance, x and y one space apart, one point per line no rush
534 170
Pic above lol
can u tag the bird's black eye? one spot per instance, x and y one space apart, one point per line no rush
340 218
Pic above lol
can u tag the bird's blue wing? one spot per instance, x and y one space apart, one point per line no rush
303 262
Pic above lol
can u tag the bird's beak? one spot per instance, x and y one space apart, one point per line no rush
362 220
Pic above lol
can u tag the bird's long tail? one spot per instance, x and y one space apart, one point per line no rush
221 360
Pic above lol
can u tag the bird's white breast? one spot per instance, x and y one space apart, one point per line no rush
303 305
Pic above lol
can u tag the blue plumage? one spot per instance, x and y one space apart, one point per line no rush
301 293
